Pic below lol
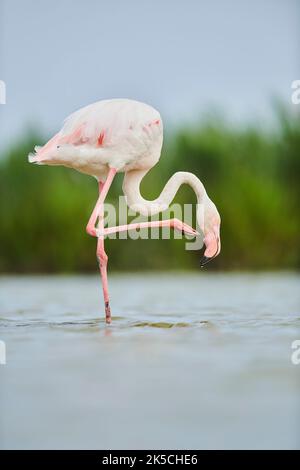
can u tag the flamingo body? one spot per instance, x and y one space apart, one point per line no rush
118 133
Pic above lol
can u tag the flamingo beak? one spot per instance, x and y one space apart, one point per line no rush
213 246
205 260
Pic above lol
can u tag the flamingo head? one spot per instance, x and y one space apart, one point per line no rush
211 230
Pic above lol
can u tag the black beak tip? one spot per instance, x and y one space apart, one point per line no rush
204 261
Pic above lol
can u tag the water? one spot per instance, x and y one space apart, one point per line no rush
190 361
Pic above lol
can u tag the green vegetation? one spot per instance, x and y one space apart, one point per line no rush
251 175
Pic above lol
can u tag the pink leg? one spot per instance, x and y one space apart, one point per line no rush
91 229
102 260
103 190
102 256
176 224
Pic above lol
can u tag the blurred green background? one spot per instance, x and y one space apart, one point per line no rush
250 174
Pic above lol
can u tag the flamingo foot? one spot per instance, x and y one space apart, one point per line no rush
184 228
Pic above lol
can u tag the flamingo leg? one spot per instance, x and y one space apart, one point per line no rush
98 209
176 224
102 257
102 260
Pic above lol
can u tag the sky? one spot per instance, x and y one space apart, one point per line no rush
183 57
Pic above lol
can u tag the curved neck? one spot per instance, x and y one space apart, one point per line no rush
131 189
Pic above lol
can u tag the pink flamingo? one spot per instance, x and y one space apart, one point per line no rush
121 135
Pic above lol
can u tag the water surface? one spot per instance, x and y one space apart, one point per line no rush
190 361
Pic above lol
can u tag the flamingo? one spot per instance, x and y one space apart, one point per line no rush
122 135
